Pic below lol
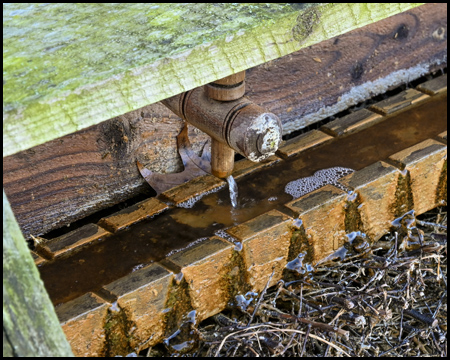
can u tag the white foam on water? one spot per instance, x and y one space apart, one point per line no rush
137 267
191 202
303 186
223 234
195 242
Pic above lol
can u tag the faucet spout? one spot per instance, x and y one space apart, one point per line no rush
222 159
233 122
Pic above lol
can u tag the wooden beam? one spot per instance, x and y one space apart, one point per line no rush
53 184
30 324
70 66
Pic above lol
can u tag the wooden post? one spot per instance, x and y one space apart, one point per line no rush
30 324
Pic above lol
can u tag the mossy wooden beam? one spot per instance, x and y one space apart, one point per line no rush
69 66
30 324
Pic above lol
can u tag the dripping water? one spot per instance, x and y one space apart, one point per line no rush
233 190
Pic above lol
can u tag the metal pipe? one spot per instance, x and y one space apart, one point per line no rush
238 124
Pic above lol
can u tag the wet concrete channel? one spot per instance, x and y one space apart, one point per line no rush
151 240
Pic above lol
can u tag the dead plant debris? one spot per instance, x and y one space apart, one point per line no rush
386 299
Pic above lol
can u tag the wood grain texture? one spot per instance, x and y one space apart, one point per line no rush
109 59
313 83
63 180
30 324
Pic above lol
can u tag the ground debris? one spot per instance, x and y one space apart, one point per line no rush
390 300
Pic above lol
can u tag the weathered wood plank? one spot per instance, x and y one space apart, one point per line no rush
70 66
58 182
30 324
312 84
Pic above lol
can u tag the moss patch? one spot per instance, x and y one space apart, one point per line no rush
306 23
70 66
299 244
353 220
404 201
117 332
179 302
237 278
441 195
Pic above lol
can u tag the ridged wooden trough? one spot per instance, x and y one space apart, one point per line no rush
80 109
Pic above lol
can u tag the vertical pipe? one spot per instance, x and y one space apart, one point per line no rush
222 159
227 89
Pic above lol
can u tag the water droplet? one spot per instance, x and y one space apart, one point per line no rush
297 224
298 265
114 307
179 277
191 317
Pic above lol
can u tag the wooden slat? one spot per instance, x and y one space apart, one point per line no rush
63 180
69 66
30 325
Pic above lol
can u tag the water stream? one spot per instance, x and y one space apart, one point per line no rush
233 191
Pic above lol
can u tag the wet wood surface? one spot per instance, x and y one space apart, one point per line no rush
56 183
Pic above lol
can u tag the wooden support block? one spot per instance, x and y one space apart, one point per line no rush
426 163
133 214
351 123
443 135
265 246
244 167
76 239
375 186
435 86
398 102
323 216
83 321
206 268
305 141
143 295
185 195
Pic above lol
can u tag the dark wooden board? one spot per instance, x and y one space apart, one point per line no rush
56 183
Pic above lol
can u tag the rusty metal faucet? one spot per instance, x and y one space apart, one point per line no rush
233 122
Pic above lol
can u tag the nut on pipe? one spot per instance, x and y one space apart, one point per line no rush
229 88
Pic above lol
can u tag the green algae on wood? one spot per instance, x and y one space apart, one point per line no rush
30 324
70 66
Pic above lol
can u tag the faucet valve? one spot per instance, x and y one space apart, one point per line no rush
233 122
